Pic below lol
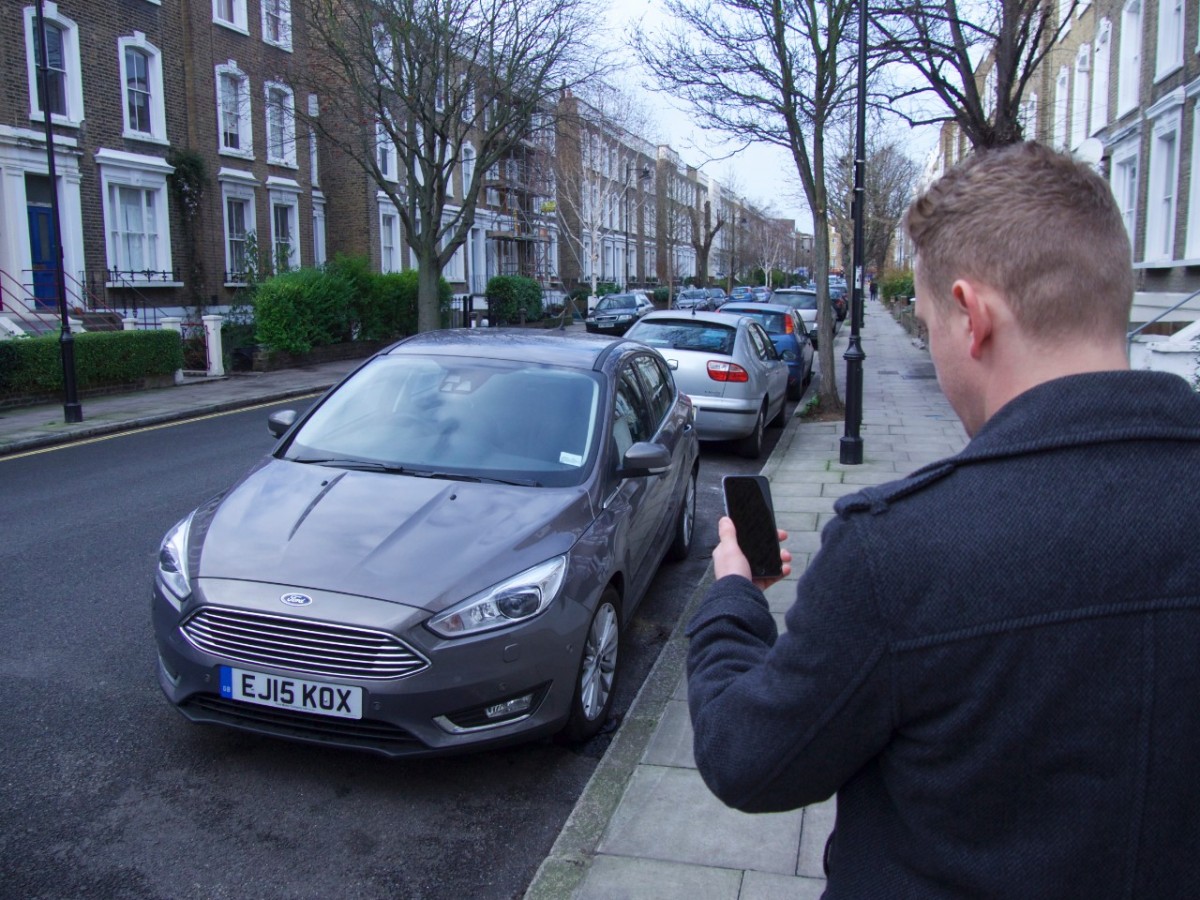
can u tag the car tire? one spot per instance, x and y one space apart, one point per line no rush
596 681
751 446
685 524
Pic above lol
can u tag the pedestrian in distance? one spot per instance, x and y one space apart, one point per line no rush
874 289
994 663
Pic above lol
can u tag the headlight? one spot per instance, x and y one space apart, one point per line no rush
624 318
172 560
515 600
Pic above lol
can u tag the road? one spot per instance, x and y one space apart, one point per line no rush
109 793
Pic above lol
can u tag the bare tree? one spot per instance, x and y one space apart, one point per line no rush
943 43
435 87
767 70
595 165
891 178
703 231
772 245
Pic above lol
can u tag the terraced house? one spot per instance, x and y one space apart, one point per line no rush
192 150
1120 87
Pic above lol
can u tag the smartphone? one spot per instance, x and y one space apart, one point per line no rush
748 503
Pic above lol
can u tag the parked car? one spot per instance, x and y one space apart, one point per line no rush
839 299
716 296
760 294
804 301
693 298
615 313
443 553
788 333
741 292
728 366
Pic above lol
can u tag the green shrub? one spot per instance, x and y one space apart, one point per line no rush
896 284
512 295
305 308
662 296
102 359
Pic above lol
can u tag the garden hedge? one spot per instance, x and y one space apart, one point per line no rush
102 359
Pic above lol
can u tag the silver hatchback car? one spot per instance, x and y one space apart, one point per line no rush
443 553
729 367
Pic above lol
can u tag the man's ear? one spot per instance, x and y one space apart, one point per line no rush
977 314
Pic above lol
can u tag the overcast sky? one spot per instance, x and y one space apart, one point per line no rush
765 175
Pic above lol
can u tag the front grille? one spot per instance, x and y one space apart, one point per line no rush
301 645
367 734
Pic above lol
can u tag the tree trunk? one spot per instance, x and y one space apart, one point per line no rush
429 313
830 400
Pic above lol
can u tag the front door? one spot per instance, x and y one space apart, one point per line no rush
44 255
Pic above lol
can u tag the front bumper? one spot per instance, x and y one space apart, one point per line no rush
440 709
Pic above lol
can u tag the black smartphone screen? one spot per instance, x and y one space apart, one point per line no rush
748 503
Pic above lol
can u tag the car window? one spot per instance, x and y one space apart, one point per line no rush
685 334
773 322
659 387
616 301
797 299
488 418
760 342
630 418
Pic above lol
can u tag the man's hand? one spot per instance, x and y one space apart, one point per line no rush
728 558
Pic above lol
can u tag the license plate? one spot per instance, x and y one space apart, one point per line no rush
319 697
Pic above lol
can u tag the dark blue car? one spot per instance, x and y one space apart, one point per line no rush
788 333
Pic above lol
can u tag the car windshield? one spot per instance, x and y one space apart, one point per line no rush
694 294
685 334
796 299
617 301
773 322
452 416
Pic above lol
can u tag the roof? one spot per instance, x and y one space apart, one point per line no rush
544 346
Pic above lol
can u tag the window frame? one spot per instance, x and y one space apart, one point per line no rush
285 193
1101 72
245 112
1129 55
1124 181
1062 107
72 117
1162 184
287 124
395 231
1081 94
142 173
154 76
1168 45
240 186
283 13
320 248
239 22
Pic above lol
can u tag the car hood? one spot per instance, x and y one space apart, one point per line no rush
421 541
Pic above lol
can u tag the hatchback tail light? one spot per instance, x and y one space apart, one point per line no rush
788 325
725 371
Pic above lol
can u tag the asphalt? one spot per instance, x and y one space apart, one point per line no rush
645 825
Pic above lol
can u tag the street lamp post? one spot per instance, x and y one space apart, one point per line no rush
851 448
72 411
625 256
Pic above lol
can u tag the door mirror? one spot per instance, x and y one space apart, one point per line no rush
645 458
280 422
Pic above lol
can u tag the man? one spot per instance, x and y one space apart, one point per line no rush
995 662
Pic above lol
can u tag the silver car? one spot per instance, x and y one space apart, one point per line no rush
443 553
729 367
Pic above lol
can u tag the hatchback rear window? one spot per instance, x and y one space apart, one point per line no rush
796 299
686 334
771 321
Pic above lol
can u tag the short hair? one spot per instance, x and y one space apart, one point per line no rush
1035 225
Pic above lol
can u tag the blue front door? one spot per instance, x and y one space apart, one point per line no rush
44 255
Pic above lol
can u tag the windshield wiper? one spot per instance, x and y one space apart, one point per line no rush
366 465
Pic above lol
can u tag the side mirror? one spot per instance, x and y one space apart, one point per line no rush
281 421
645 458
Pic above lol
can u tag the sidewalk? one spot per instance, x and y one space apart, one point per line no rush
27 428
646 827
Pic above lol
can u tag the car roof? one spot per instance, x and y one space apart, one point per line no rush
544 346
751 307
683 315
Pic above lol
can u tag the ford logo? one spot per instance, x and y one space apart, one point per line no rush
296 599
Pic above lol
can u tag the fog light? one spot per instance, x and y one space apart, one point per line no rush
509 707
